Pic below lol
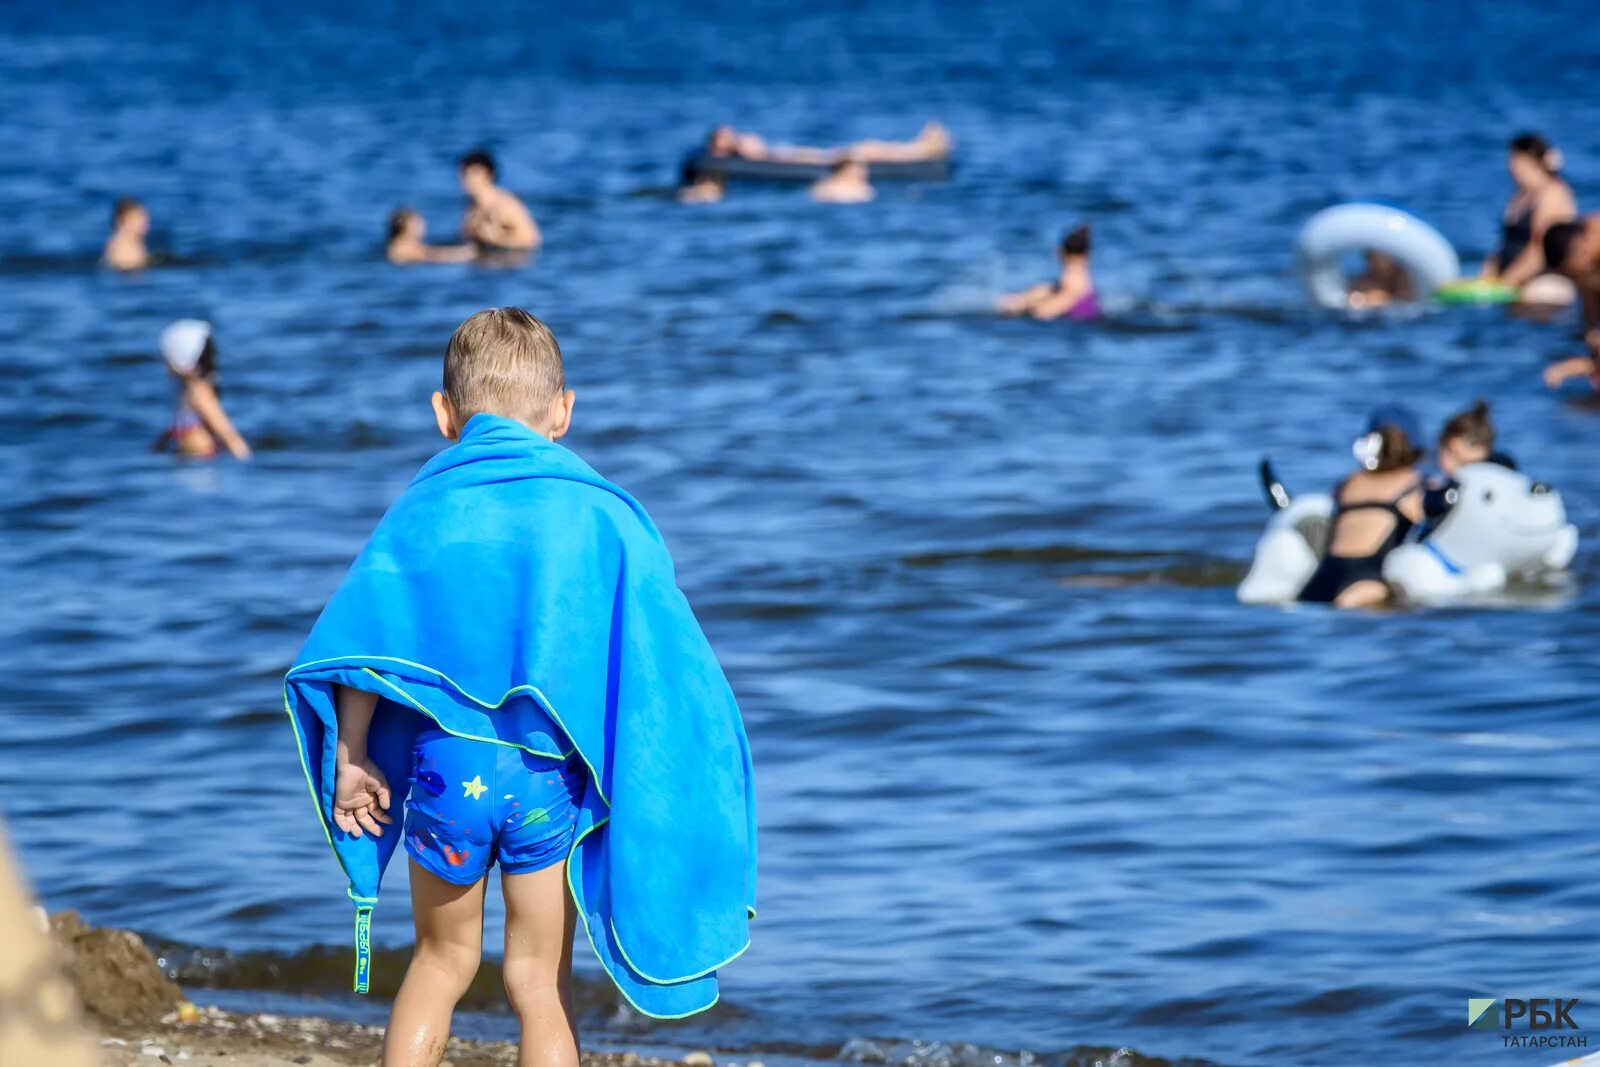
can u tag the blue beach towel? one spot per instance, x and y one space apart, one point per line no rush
513 595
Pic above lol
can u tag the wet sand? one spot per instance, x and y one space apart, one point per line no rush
214 1038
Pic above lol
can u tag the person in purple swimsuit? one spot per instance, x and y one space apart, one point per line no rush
1071 296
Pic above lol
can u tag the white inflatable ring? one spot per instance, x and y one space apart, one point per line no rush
1334 233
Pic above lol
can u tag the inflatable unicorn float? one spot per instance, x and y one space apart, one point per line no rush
1501 525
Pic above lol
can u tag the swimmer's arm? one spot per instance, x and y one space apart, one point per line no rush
1413 504
361 793
450 253
202 398
1056 304
1018 303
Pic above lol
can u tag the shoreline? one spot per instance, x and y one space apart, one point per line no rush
211 1037
140 1017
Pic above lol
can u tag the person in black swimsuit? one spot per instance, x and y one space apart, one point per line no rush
1543 199
1375 510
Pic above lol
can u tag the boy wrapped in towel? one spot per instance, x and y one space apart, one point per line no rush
511 659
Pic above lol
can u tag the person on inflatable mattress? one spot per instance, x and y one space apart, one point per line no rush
510 658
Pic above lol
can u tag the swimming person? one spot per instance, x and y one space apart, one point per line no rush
1573 249
1374 509
1542 199
496 218
200 421
1382 282
1070 296
931 142
846 183
125 248
407 228
510 656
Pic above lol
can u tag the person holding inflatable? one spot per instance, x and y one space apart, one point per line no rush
1382 282
1542 199
1374 510
1071 296
200 422
1467 437
1573 248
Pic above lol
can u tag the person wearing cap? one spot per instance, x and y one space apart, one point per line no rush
125 248
496 218
200 421
1375 509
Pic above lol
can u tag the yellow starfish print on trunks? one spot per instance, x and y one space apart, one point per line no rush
474 788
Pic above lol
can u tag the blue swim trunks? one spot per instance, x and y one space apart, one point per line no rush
473 803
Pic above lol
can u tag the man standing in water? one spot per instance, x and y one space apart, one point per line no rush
1573 249
496 218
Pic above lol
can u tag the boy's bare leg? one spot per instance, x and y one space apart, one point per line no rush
449 945
539 924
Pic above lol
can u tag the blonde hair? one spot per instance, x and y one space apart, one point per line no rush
503 361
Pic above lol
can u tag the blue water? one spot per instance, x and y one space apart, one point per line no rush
1029 777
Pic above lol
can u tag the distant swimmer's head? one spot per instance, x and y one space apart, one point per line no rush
1467 438
1533 159
477 171
724 141
1074 242
503 361
1572 248
1390 440
130 216
408 223
188 349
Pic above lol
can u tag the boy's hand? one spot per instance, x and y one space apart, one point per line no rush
361 799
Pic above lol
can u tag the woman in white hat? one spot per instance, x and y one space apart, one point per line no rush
200 421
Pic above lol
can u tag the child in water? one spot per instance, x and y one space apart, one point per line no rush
130 224
1374 509
200 421
1071 296
512 785
407 228
1467 437
1384 281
